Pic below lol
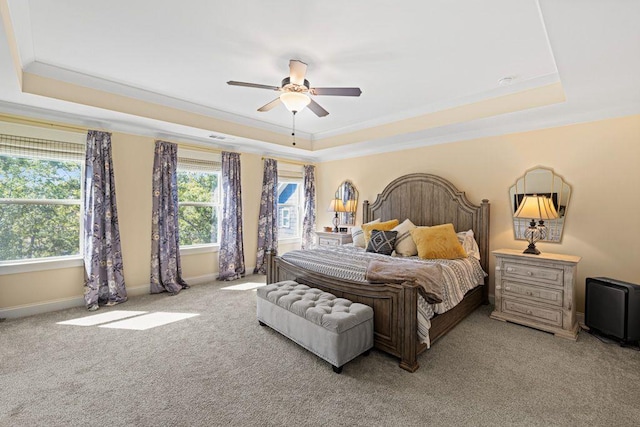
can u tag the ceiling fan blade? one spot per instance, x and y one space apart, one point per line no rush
270 105
297 71
256 85
336 91
317 109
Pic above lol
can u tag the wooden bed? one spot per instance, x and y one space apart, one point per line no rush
426 200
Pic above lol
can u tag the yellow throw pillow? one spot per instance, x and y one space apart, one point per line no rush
382 226
438 242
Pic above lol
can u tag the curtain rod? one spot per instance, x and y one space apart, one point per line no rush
293 162
25 121
41 123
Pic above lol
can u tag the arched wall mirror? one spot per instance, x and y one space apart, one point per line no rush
541 181
347 194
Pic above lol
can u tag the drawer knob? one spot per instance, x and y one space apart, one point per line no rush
509 269
529 273
507 288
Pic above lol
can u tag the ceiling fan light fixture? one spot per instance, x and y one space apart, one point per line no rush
295 101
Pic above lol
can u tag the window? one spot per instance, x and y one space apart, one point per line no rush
290 203
40 198
198 201
284 218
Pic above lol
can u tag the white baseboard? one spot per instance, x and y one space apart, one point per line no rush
78 301
199 280
39 308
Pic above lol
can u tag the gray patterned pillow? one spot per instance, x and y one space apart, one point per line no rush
382 242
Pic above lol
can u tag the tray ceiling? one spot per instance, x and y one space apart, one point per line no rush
426 69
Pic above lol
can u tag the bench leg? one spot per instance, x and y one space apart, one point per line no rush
336 369
366 353
261 323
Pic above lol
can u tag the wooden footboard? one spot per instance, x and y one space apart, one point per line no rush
395 307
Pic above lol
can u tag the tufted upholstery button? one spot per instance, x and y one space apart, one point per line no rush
322 308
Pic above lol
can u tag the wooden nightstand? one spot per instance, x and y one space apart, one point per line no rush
536 291
333 239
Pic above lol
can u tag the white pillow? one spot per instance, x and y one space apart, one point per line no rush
358 235
468 242
405 246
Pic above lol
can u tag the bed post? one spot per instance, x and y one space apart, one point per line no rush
409 329
484 247
365 212
271 267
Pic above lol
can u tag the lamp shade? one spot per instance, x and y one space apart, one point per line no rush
336 205
536 207
295 101
550 208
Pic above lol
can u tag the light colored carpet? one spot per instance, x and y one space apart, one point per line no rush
221 368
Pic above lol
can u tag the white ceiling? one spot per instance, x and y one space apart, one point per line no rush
409 58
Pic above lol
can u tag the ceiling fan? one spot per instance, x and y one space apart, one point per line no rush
295 91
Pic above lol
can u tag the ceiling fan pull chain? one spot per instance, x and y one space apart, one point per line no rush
293 133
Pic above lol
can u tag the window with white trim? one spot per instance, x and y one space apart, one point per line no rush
290 201
40 198
199 199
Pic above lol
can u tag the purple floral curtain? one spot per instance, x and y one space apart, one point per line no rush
166 272
231 246
309 218
104 281
268 219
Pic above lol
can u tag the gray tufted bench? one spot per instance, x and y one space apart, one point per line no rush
335 329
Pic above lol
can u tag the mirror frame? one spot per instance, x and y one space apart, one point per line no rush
555 187
348 194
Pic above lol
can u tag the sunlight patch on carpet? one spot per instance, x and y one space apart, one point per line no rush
96 319
244 286
148 321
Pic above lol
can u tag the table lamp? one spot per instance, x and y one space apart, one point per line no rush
336 206
535 208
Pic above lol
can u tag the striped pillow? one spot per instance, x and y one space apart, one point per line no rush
405 246
358 235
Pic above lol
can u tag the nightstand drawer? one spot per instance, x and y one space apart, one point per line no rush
553 276
540 314
333 239
324 241
535 293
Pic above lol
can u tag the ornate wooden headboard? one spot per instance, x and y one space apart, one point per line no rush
428 199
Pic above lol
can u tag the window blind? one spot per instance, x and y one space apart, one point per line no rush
35 148
286 170
198 165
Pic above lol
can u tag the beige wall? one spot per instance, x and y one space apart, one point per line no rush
599 160
132 163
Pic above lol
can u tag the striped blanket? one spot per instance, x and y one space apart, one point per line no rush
350 263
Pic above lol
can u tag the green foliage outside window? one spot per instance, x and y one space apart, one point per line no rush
29 229
198 196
